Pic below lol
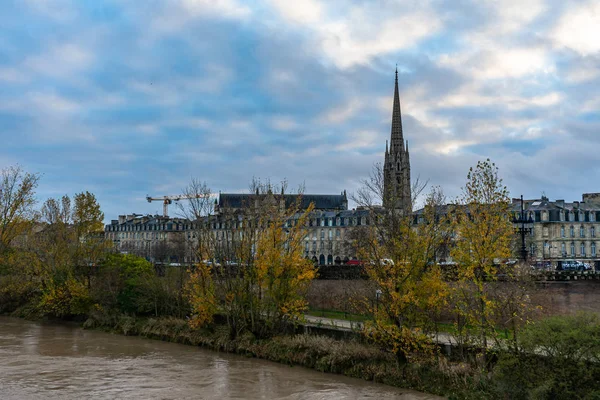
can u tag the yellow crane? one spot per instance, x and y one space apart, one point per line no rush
170 199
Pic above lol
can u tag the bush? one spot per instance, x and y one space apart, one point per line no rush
15 293
559 360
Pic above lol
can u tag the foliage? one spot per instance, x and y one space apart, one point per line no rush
17 199
559 360
15 292
403 264
201 294
570 337
282 272
66 299
483 238
120 283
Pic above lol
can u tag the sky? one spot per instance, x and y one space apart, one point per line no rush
125 98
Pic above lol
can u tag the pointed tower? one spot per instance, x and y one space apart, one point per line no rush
396 168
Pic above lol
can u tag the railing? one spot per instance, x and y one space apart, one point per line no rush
567 275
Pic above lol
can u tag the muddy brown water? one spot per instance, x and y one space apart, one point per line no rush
49 361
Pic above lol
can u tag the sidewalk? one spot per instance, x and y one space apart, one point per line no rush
344 325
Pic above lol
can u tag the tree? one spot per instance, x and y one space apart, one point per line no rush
253 263
401 258
17 199
484 232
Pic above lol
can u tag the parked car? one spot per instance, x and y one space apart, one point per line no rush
575 266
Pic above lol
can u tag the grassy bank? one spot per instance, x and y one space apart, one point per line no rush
347 357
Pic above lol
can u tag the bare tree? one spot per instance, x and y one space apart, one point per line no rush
199 200
372 191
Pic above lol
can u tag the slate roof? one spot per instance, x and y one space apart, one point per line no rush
321 201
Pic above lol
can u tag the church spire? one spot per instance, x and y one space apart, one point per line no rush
397 191
397 143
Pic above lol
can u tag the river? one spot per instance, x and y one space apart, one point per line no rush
48 361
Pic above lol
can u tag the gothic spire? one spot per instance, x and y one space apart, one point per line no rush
397 142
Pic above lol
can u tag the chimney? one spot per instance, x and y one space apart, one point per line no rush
122 219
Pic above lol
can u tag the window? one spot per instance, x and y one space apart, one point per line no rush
572 231
314 246
545 231
593 249
322 234
544 216
581 216
322 221
330 234
571 216
592 216
593 231
562 215
330 221
562 231
582 249
572 249
306 246
563 249
532 249
337 233
581 231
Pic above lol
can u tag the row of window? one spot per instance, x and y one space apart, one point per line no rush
572 231
147 227
137 235
571 216
571 249
323 246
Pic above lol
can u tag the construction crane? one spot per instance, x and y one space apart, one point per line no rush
170 199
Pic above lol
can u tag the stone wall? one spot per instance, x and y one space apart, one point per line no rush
556 298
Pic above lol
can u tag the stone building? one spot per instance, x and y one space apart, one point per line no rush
330 223
564 231
157 238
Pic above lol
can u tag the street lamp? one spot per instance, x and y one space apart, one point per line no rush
524 226
378 293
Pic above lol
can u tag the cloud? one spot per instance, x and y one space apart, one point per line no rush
579 28
357 34
127 100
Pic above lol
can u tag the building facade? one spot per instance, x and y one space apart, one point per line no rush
564 231
330 224
154 237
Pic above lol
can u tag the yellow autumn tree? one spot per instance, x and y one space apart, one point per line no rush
401 258
484 231
258 272
282 272
201 295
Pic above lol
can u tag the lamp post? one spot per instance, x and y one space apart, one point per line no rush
524 226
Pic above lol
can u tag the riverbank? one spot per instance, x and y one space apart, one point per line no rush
347 357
